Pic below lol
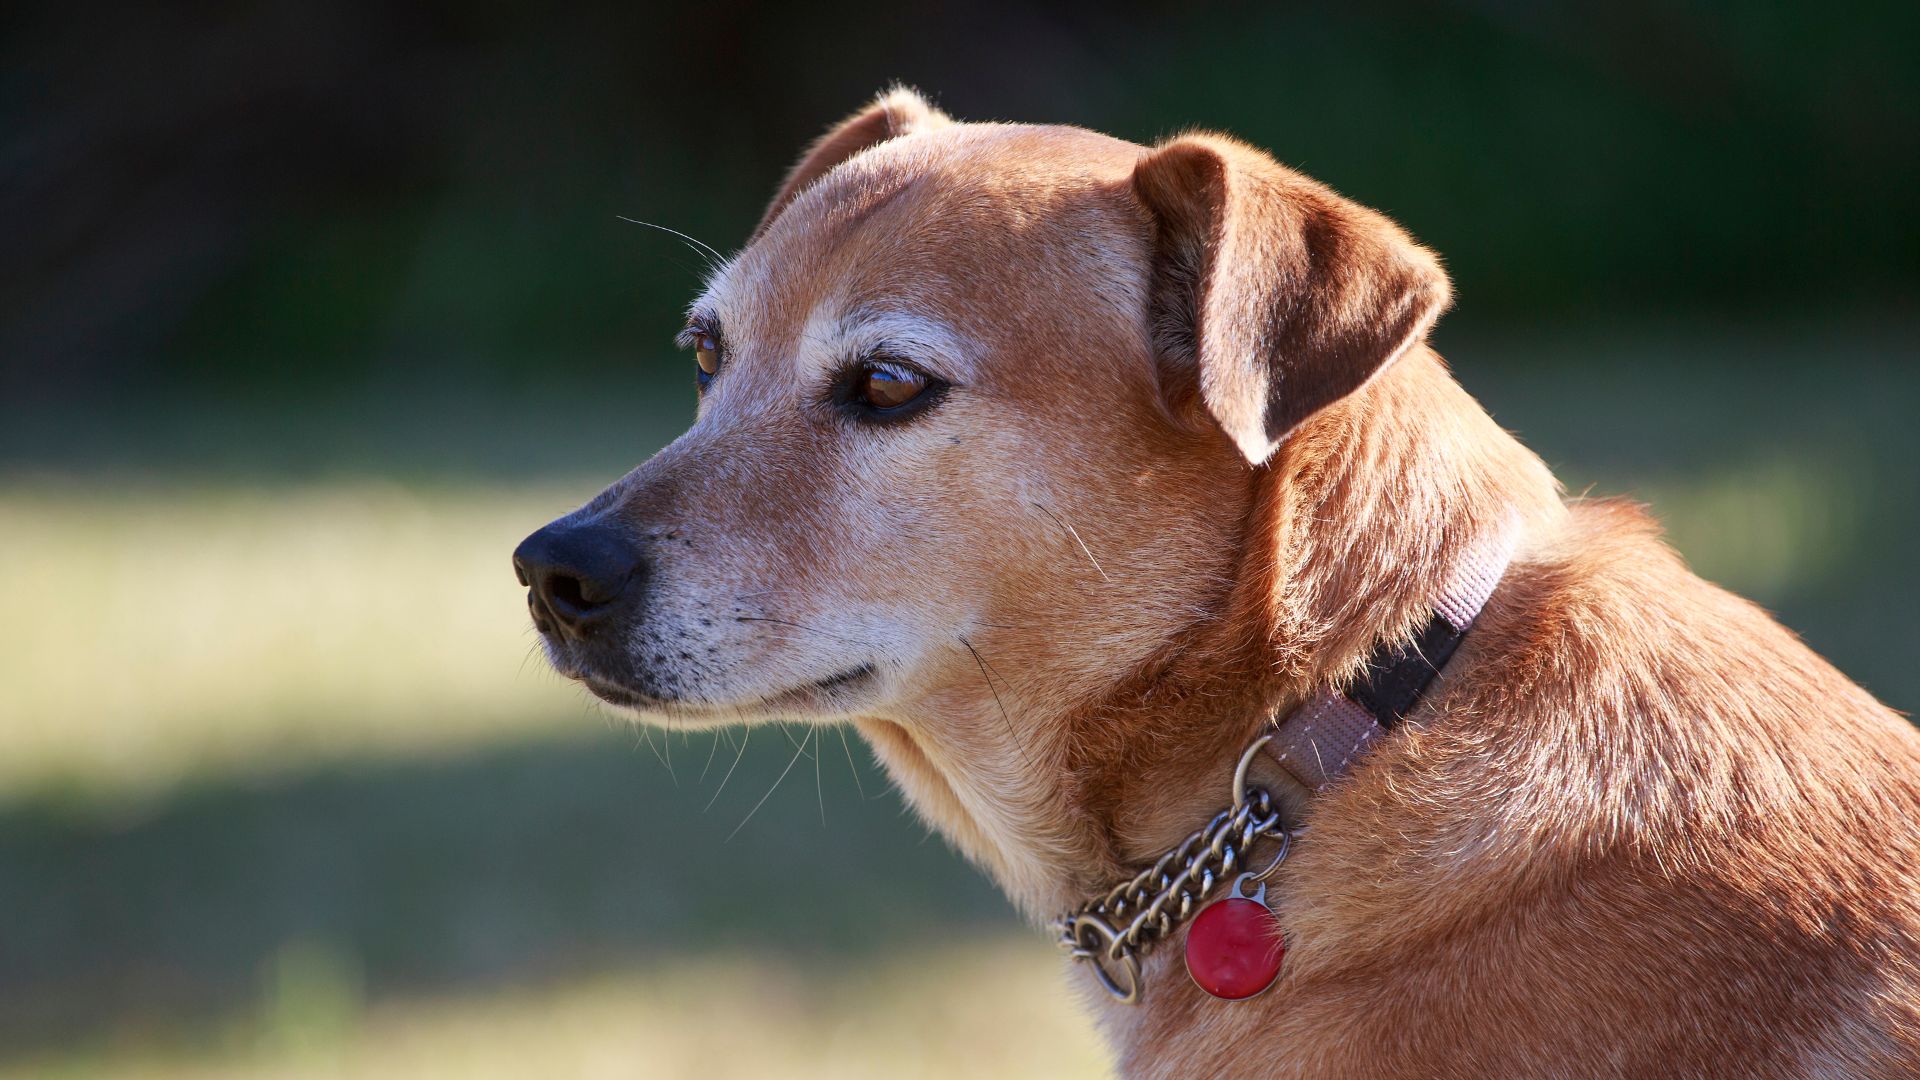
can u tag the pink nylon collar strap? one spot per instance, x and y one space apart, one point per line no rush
1321 739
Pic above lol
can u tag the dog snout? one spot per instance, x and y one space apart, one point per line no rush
578 575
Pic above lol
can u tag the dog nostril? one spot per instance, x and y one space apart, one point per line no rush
576 575
566 590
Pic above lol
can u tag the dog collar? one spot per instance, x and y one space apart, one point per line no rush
1235 946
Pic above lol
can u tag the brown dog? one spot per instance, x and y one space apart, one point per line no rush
1061 466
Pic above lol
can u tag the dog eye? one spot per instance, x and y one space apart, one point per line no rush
706 355
882 384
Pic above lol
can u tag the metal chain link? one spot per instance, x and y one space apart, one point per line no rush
1114 931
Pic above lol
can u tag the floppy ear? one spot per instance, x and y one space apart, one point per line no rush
1284 296
896 112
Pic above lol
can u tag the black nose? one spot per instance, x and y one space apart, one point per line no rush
577 575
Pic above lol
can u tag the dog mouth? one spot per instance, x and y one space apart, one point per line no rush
614 693
834 687
816 694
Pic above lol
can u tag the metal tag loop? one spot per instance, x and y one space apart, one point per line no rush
1101 945
1246 760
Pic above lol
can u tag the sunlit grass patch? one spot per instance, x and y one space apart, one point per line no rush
1768 527
992 1007
163 630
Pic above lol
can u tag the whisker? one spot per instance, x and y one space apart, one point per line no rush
1075 533
738 754
710 753
532 648
803 626
819 793
857 786
645 734
996 700
763 799
698 245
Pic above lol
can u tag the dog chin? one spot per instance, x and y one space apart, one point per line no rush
614 689
655 709
614 693
832 697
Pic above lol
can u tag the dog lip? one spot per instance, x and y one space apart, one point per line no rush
821 692
615 692
611 690
833 683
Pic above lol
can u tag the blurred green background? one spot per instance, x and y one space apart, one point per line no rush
311 311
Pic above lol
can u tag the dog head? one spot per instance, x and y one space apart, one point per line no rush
979 409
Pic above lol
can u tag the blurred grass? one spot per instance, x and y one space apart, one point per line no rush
281 792
181 629
989 1008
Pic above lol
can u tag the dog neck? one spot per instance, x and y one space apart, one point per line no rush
1352 529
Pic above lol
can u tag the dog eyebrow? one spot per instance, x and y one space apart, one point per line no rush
911 334
711 295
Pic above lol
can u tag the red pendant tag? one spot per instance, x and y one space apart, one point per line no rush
1234 947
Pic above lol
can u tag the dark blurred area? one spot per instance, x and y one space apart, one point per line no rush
300 194
305 305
